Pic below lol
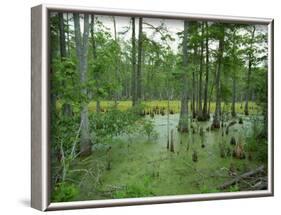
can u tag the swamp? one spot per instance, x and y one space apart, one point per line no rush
144 107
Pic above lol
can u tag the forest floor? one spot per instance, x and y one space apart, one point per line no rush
142 167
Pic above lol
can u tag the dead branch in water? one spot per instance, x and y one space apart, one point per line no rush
242 177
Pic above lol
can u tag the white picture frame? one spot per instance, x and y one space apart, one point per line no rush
40 171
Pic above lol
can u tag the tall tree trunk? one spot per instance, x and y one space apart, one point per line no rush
234 57
217 115
247 95
139 68
55 153
183 122
63 53
248 89
200 113
82 53
197 93
193 95
94 52
233 110
194 86
116 62
205 111
134 91
62 37
68 36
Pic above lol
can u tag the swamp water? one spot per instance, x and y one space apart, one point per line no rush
142 167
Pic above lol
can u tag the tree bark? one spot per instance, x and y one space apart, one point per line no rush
250 59
116 62
193 95
183 122
63 53
134 96
139 68
233 110
200 113
82 53
94 52
205 111
194 87
62 37
217 115
68 37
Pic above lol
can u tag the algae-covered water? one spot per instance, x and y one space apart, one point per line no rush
140 167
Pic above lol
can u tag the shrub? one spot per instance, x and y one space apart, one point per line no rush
135 190
64 192
148 129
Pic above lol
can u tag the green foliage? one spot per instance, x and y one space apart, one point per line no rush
206 189
148 129
64 192
234 188
113 123
109 77
135 190
256 143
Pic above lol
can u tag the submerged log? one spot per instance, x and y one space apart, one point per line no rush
238 178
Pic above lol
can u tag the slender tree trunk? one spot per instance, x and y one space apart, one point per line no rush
68 37
139 68
55 153
234 57
205 111
211 94
94 52
134 96
200 113
168 120
233 110
194 88
116 63
63 53
248 89
82 53
193 95
197 93
62 37
217 115
183 122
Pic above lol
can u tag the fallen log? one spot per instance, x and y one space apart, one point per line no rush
261 185
241 177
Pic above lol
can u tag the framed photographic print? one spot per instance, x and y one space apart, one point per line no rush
141 107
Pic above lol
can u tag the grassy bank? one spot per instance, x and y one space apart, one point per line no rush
174 106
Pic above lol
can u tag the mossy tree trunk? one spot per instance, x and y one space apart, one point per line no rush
133 93
217 114
183 122
200 111
205 111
